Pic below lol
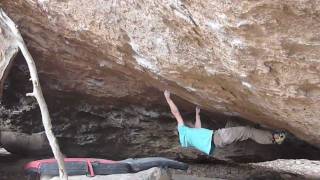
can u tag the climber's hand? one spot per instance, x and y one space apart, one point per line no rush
197 109
167 94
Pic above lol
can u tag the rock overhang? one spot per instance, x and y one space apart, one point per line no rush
257 60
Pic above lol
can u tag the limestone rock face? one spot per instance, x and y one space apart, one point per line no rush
254 59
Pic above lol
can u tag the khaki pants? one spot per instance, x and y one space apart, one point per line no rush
226 136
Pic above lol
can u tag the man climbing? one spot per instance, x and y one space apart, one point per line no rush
206 140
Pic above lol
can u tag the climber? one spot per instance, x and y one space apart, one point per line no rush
206 140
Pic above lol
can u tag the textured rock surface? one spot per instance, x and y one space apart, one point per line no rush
302 167
8 50
258 60
150 174
86 126
280 169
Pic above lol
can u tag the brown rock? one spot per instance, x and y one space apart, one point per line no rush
257 60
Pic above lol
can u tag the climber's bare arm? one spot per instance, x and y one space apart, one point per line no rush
173 107
197 124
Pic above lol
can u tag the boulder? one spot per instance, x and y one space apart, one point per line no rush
281 169
103 65
150 174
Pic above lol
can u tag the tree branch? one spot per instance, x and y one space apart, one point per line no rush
37 93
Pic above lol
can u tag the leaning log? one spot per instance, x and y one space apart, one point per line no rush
37 93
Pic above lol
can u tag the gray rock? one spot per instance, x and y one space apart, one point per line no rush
150 174
103 65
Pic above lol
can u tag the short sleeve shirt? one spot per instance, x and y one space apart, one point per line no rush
199 138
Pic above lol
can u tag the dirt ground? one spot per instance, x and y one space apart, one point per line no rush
11 168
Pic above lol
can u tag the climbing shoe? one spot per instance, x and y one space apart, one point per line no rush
279 137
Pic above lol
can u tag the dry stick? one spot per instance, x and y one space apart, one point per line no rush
37 93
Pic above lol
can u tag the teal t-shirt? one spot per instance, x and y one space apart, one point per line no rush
198 138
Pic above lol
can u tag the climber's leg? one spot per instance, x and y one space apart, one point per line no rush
226 136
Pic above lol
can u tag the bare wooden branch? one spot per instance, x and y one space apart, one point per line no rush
30 94
37 93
